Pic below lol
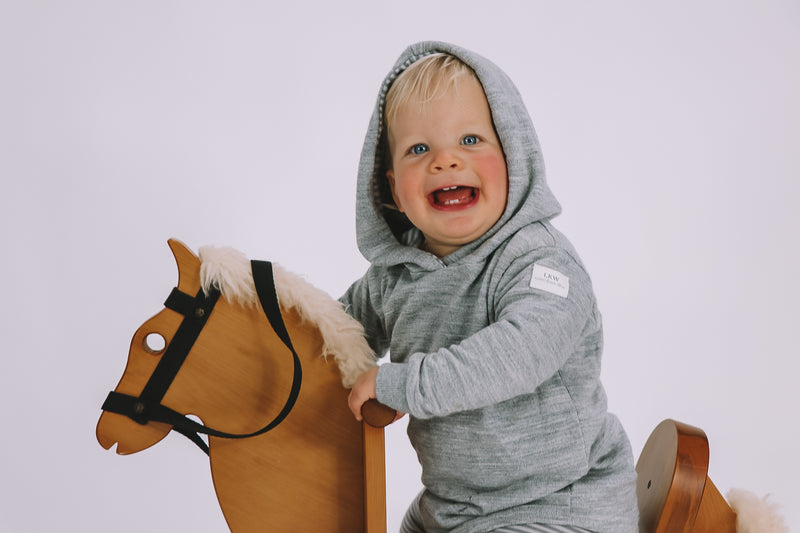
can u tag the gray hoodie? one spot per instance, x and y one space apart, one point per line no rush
495 349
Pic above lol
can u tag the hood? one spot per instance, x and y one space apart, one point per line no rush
386 238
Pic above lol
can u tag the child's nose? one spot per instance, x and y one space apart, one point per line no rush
445 160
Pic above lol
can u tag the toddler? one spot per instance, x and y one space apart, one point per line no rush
486 310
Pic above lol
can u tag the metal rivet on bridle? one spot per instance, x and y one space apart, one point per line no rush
199 312
138 408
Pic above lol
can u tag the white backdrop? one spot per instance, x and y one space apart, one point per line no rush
671 135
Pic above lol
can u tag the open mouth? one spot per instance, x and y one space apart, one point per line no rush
454 197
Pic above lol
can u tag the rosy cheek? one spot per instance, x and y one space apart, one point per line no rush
491 166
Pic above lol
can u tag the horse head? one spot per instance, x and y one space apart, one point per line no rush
147 346
238 363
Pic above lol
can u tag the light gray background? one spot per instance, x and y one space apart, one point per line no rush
671 136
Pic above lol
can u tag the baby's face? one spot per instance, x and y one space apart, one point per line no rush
448 170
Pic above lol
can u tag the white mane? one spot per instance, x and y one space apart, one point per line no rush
228 270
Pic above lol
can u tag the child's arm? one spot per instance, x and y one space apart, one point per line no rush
363 391
533 334
357 303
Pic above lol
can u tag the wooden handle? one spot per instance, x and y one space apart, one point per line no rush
376 414
374 479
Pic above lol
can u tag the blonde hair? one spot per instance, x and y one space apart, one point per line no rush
425 80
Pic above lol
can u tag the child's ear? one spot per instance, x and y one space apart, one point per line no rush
390 177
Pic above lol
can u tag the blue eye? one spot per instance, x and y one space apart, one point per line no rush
469 140
419 149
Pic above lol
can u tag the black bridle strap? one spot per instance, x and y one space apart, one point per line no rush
195 315
147 406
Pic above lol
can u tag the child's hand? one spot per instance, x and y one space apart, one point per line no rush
363 390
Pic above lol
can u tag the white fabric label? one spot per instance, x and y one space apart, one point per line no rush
549 280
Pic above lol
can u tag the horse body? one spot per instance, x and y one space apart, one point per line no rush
305 474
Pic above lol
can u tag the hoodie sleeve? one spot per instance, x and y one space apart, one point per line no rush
358 303
537 326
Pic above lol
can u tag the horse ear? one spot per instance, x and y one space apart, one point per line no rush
188 267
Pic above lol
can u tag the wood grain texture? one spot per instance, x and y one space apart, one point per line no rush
374 480
714 515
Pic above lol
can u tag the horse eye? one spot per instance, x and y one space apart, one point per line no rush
154 343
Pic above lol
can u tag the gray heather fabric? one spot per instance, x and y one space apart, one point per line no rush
499 373
412 523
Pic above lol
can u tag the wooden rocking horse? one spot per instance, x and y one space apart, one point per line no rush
263 359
